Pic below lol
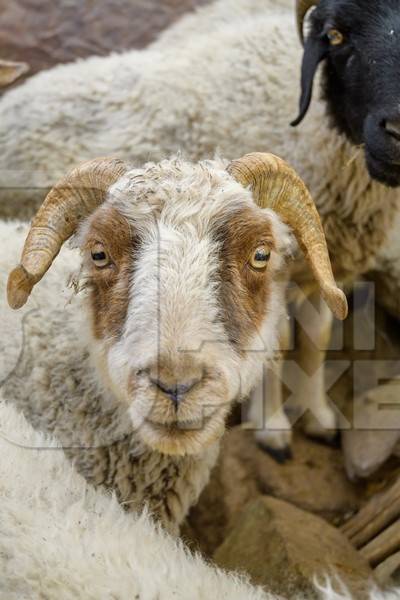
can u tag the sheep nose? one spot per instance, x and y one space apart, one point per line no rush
176 392
392 127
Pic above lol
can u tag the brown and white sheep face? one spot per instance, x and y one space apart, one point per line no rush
184 298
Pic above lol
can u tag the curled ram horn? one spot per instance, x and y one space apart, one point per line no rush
11 71
277 186
71 200
302 8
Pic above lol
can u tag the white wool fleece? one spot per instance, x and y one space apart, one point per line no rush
60 539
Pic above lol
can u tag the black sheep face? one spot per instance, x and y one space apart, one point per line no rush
359 42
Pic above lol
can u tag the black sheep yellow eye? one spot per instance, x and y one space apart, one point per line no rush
100 256
260 257
335 37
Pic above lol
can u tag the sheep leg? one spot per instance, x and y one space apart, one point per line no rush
310 399
274 430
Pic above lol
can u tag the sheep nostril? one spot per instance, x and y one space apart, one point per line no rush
392 128
177 392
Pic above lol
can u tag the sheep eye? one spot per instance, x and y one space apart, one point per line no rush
99 256
335 37
259 259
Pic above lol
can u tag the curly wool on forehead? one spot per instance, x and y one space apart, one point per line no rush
176 191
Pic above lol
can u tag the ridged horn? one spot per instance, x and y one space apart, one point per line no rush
302 8
277 186
72 199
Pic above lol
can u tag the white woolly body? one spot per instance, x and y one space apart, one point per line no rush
61 539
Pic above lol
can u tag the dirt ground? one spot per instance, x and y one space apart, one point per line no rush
45 33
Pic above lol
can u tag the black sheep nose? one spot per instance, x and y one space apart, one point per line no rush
176 392
392 128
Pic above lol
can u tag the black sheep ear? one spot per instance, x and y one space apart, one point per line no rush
315 50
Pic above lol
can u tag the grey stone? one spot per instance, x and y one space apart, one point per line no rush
285 549
314 480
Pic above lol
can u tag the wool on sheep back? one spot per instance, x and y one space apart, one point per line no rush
60 538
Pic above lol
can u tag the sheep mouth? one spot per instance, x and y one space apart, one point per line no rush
385 172
180 426
183 437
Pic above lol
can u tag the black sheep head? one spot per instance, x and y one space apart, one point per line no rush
359 43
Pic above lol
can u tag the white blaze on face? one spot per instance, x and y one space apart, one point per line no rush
174 304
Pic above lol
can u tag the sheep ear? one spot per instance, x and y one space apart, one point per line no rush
315 50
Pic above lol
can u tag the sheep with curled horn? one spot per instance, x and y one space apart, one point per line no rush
182 281
224 78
